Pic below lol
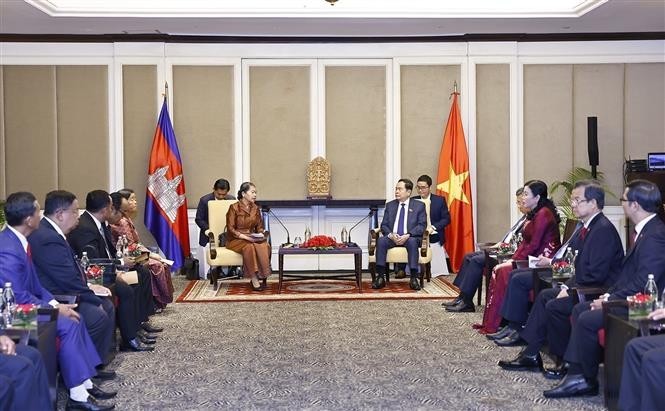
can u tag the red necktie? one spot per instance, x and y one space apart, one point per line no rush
633 237
583 233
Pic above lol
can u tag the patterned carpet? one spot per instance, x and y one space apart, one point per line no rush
326 355
315 290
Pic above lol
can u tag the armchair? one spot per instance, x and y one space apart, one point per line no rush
217 255
399 255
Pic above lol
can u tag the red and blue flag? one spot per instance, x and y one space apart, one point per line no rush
166 205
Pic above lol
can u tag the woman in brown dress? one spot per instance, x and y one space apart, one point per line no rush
245 235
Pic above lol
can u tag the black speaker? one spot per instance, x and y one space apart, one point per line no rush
592 133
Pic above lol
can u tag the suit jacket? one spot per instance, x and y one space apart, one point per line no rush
86 237
646 257
202 216
598 262
16 267
56 264
416 222
439 217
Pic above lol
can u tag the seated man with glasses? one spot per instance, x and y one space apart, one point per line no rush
438 216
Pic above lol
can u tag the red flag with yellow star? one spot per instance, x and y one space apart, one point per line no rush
454 184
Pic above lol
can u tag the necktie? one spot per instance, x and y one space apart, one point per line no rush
78 266
583 233
633 237
106 246
400 220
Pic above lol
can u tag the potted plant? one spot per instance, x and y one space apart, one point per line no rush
566 186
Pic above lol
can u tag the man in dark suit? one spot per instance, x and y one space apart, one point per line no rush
59 271
404 222
77 356
23 379
643 372
598 264
220 191
641 200
90 236
470 275
437 218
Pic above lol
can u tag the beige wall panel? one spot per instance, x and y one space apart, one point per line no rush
644 107
548 122
203 122
493 203
30 129
356 130
139 88
3 166
425 105
83 141
598 92
279 130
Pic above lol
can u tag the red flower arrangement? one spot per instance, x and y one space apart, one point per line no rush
25 316
134 249
641 298
560 267
505 248
320 242
95 274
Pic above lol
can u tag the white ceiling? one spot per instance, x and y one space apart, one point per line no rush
614 16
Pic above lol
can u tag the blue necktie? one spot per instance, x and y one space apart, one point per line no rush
400 220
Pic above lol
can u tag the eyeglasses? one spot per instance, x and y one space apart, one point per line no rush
420 188
576 201
624 200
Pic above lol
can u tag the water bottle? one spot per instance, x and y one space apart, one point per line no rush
119 248
345 235
10 305
125 246
85 261
651 290
308 234
569 258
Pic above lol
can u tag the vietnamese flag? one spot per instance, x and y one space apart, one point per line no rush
454 184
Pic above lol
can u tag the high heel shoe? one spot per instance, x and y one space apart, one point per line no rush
259 288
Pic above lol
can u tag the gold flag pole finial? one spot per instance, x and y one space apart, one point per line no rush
166 90
454 90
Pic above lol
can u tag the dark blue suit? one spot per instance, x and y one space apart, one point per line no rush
416 223
201 218
439 217
643 374
60 273
598 264
23 381
647 256
77 355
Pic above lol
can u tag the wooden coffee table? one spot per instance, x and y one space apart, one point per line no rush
355 251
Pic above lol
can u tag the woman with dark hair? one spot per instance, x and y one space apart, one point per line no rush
162 285
540 235
246 235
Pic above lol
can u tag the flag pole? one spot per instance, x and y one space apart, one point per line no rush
454 89
165 94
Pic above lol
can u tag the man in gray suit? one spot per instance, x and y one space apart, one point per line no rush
403 225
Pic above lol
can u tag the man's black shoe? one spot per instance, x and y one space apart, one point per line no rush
105 375
379 282
573 386
523 363
557 372
456 301
511 340
503 332
414 284
91 404
100 394
146 334
151 328
135 345
145 340
463 307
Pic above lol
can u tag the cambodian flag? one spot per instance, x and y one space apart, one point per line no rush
166 205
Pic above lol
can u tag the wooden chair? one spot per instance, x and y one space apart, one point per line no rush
216 255
399 255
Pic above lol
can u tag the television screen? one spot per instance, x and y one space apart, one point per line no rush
656 161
